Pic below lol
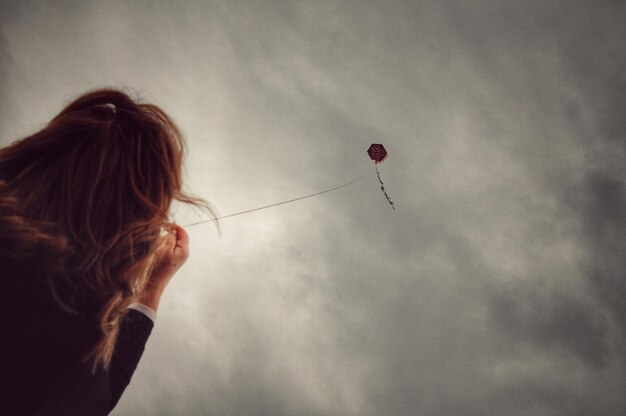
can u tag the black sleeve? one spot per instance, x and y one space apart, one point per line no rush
134 332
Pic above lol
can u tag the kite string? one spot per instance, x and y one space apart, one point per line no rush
278 203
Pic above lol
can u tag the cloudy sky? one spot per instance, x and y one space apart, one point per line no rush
497 285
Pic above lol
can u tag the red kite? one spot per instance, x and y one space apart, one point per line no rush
377 153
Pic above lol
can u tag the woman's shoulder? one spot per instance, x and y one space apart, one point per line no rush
38 335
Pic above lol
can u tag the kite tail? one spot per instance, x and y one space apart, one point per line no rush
382 188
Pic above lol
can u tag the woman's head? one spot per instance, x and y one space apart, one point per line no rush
98 181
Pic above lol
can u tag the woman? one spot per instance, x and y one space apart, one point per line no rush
86 251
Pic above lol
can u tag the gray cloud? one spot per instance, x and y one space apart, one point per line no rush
606 221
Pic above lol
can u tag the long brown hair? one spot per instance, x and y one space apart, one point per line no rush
86 198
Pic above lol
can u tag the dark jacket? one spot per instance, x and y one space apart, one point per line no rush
41 345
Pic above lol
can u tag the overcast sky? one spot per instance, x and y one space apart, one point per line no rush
496 287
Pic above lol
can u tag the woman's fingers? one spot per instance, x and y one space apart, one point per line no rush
168 242
182 238
175 248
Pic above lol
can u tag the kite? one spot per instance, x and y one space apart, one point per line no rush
378 154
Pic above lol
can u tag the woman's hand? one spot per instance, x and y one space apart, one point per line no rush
171 255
